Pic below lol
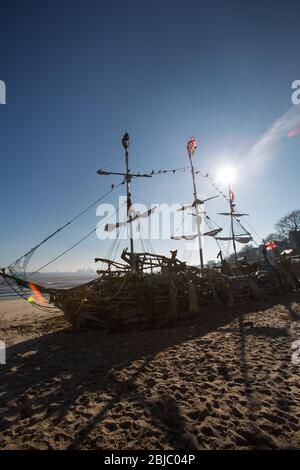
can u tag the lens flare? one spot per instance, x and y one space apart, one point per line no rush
294 132
36 296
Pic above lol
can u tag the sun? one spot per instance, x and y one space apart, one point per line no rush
227 174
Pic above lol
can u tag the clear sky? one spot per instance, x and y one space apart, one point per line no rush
78 73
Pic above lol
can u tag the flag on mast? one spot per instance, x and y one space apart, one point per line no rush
271 245
191 146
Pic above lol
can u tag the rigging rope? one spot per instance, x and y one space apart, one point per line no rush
210 225
30 252
111 248
120 233
22 294
147 241
70 248
209 178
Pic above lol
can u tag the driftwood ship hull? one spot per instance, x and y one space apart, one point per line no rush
153 290
121 300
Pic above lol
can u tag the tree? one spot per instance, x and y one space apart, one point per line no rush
274 237
289 223
251 252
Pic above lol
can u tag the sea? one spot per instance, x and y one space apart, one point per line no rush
60 281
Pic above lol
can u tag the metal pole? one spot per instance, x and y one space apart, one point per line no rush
197 215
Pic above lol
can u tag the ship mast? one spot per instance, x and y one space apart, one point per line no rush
191 147
230 193
127 178
243 237
125 143
198 220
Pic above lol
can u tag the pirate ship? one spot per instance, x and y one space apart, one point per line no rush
145 289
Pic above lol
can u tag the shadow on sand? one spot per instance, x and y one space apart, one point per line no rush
50 377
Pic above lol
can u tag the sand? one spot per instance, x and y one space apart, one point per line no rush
222 381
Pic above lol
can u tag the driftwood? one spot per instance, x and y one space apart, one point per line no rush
135 297
153 290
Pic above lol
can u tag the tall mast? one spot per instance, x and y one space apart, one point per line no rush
125 142
197 215
127 178
231 217
240 237
191 147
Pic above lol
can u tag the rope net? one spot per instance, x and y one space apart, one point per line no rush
19 267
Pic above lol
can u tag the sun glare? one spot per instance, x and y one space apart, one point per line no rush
227 175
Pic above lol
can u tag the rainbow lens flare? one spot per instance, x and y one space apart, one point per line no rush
294 132
36 296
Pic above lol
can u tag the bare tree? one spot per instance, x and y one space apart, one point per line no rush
275 236
289 223
252 254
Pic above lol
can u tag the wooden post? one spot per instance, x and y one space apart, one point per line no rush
125 142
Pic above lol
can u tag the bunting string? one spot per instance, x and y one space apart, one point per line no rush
172 170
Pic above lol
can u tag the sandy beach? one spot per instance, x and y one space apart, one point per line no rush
222 381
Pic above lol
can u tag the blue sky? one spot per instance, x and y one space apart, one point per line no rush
79 72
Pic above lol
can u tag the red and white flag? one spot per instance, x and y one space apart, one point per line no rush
231 196
191 146
271 245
